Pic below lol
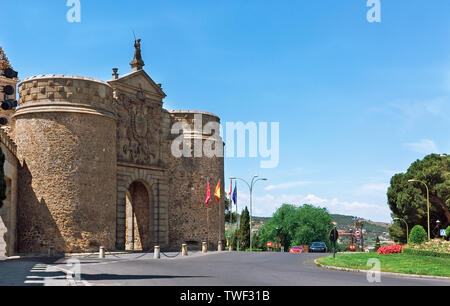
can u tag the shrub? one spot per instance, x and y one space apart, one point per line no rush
435 245
377 244
418 235
394 249
420 252
447 232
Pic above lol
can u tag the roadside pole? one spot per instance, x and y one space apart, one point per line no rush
334 236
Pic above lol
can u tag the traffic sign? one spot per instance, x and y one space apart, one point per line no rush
269 244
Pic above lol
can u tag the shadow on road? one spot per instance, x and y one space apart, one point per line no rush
29 272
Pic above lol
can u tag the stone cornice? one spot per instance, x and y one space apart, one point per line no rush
61 107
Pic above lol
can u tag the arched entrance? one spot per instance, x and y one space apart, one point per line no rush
137 221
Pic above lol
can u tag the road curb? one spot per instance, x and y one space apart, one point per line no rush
382 273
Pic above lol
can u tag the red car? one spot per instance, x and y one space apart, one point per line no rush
297 249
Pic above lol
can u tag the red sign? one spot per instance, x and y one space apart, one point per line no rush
352 247
269 244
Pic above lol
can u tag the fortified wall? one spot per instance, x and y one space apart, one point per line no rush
94 167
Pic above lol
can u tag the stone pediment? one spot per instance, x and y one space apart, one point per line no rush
139 81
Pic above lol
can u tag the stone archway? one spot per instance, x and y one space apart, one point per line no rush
138 217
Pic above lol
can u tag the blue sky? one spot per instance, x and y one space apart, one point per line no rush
356 101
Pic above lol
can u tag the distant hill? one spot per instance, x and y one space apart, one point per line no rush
373 229
345 223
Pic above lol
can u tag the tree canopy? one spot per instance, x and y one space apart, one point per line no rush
229 216
244 230
407 200
297 226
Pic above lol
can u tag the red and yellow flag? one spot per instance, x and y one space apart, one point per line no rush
217 192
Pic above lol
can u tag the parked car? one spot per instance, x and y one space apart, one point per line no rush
318 247
297 249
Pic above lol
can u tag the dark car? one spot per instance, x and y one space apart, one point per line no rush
318 247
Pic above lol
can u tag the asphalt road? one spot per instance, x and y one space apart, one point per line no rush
213 269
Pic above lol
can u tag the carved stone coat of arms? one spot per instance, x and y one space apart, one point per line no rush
138 128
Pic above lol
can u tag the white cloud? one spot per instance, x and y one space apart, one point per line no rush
424 146
265 206
287 185
372 189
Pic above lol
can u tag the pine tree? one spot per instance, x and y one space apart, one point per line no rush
377 243
244 230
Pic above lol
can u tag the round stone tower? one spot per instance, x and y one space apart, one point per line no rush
65 132
190 220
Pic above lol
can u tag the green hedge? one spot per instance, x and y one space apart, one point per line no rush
420 252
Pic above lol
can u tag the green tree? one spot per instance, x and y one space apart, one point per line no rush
228 206
377 243
418 235
297 226
244 230
408 200
234 239
398 233
255 242
2 178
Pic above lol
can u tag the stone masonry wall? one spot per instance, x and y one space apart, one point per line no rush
189 219
66 145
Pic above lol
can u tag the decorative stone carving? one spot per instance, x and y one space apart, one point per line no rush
138 128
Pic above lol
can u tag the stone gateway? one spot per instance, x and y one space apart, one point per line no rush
89 164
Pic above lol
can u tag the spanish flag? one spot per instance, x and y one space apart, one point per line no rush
217 192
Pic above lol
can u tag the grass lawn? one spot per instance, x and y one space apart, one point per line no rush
398 263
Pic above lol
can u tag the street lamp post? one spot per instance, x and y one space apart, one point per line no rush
407 228
278 237
250 187
428 204
438 226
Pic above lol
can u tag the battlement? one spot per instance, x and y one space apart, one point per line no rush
65 93
8 142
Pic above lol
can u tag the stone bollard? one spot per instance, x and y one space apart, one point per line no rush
230 249
101 252
184 250
205 247
219 246
50 251
157 254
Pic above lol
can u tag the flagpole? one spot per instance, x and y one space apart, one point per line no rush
207 224
207 212
219 223
238 221
231 213
218 206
